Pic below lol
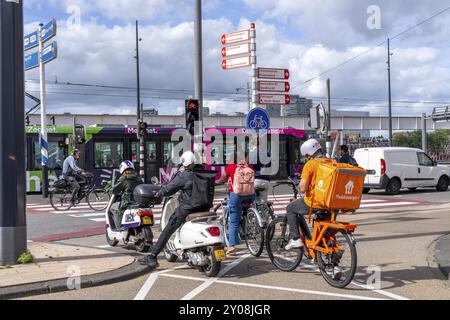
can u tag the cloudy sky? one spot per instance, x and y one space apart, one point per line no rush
96 40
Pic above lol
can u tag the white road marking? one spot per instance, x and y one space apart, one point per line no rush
382 292
211 281
391 204
151 281
310 292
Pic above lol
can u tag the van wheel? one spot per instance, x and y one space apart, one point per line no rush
366 190
394 187
443 184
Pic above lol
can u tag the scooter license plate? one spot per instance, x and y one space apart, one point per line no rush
147 221
220 255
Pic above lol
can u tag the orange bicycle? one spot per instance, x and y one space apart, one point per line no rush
331 246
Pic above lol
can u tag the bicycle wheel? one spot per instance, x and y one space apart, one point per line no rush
226 225
98 199
60 199
338 269
277 237
254 234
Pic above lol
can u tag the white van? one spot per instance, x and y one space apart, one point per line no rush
393 169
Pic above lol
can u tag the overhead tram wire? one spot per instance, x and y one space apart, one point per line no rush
371 49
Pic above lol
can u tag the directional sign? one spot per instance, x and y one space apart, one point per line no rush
283 99
32 61
236 37
269 73
236 63
273 86
50 53
31 41
49 31
236 50
258 119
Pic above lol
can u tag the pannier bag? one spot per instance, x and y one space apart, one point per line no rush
338 186
244 181
203 188
61 184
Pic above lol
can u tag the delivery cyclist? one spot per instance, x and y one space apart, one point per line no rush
297 209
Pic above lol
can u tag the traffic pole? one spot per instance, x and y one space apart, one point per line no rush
140 112
424 133
13 232
254 63
390 91
198 41
328 124
44 133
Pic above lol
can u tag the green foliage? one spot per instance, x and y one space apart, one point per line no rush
408 140
437 141
25 258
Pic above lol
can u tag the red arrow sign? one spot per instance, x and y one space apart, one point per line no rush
236 63
236 50
275 74
273 86
235 37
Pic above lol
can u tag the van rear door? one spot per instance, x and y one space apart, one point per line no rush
362 157
375 156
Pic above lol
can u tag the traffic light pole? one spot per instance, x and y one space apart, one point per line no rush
44 132
140 113
13 232
199 59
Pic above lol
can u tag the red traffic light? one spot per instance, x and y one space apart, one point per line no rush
144 125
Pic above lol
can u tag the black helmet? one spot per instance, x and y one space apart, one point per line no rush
144 194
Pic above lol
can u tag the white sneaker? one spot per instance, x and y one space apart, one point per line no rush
294 244
338 273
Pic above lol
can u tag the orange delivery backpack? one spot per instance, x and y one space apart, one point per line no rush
338 186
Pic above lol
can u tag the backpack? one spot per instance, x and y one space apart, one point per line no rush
203 188
244 181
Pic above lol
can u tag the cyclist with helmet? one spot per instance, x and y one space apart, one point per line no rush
297 209
124 187
183 181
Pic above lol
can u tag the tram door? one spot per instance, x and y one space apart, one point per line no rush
152 167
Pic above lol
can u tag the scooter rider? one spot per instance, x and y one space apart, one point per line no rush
124 187
297 209
183 182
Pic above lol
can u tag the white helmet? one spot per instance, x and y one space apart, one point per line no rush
187 159
310 147
126 165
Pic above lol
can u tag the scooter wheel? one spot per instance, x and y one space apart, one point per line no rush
141 247
212 270
170 257
111 242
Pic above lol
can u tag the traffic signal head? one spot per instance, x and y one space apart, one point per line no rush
192 115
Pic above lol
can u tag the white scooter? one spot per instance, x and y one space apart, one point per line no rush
136 224
200 240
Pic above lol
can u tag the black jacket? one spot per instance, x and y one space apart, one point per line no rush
183 182
346 158
125 188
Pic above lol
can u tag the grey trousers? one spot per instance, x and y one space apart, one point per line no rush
295 216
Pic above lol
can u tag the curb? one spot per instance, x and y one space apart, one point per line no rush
442 255
126 273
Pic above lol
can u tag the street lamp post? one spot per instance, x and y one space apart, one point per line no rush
390 91
140 114
13 232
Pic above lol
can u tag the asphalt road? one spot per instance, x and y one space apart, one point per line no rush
397 241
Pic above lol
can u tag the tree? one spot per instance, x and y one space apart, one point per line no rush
408 140
438 141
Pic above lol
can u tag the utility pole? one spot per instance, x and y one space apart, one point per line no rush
328 125
44 132
424 133
140 114
198 33
249 96
13 230
390 92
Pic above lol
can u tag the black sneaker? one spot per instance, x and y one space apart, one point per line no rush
150 261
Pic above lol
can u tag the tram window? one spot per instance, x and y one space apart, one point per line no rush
55 156
108 154
168 154
151 152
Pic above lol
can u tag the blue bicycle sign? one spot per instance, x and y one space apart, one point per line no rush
258 119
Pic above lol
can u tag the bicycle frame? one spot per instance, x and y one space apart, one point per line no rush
323 232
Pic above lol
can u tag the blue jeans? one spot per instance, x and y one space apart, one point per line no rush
235 206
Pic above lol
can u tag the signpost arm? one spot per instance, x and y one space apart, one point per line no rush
13 232
44 135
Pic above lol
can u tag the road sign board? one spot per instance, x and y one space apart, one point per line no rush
50 53
236 50
49 31
269 73
236 37
273 86
236 63
31 41
32 61
258 119
283 99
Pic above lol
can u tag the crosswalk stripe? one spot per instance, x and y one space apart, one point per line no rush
392 204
